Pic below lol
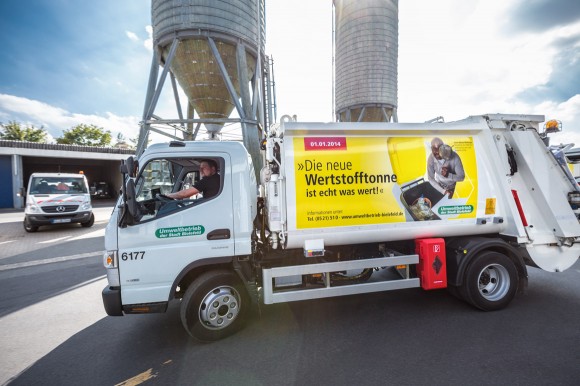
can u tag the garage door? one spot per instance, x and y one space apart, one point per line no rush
6 185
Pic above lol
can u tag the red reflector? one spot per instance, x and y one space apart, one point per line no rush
520 209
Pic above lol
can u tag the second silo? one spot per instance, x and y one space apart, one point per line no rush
366 51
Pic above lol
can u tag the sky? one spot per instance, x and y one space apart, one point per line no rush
66 62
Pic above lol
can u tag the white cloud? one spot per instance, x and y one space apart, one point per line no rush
55 120
132 35
148 43
456 64
299 39
460 62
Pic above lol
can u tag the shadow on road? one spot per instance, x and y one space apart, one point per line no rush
35 267
24 287
406 337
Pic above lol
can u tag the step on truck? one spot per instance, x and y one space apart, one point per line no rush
341 209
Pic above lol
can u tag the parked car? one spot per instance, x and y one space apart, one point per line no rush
100 190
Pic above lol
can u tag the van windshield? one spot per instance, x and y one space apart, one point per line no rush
58 185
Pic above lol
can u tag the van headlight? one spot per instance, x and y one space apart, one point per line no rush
33 208
86 205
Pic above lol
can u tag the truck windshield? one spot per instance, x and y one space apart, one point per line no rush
158 176
58 185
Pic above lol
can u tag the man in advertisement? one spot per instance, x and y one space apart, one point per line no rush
444 167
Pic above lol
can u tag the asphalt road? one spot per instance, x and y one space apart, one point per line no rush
54 331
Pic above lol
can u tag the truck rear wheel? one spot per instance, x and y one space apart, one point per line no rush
491 281
214 306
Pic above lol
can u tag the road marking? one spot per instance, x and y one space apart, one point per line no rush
53 240
138 379
144 376
96 233
6 242
49 261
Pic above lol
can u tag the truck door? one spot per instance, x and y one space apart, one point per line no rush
168 235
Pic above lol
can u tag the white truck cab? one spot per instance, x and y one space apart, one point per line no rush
57 198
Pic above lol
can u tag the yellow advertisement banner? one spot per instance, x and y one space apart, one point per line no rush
345 181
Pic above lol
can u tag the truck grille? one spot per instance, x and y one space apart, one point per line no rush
60 208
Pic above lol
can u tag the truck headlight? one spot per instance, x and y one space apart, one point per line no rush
110 262
110 259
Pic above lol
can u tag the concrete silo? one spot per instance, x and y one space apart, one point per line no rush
214 51
366 51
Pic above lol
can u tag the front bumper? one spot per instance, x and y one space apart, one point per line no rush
47 219
112 301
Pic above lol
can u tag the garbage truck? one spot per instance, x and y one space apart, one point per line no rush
340 209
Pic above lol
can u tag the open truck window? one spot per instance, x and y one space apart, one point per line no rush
160 177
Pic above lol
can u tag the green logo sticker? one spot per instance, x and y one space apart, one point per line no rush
455 209
190 230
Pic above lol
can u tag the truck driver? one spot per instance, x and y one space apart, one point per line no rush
208 185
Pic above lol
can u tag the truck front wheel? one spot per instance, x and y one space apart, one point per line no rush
491 281
214 306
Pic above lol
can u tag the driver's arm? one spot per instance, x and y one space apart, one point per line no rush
185 193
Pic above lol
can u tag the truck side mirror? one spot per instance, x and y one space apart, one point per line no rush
131 213
130 166
132 204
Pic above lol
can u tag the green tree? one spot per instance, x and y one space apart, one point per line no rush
15 132
85 135
122 142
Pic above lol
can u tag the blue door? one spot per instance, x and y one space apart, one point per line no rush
6 185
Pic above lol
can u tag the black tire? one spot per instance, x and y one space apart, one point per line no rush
214 306
29 227
490 282
89 223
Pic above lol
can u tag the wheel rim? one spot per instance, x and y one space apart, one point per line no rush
219 308
494 282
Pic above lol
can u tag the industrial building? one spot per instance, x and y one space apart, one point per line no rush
19 159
